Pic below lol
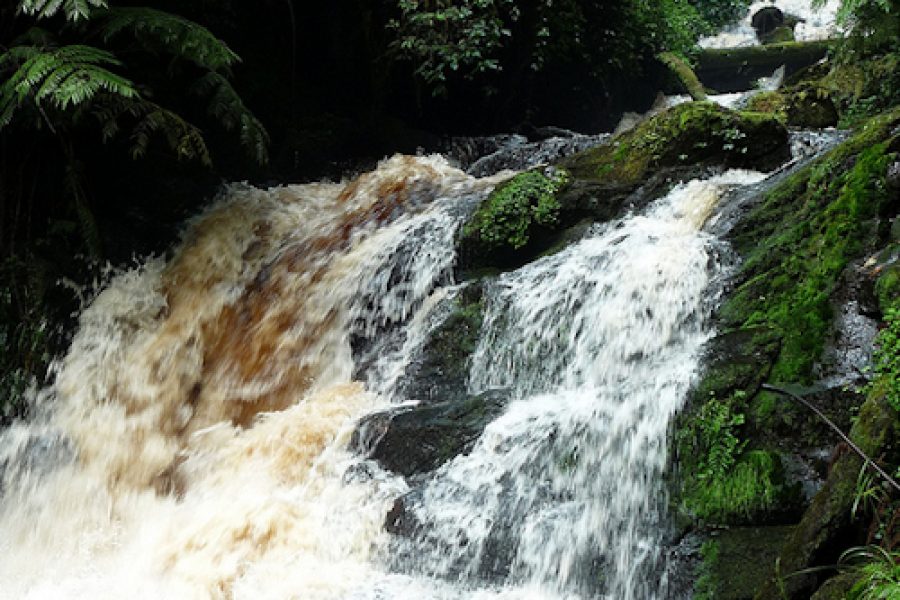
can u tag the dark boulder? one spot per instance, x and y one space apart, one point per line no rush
766 20
416 440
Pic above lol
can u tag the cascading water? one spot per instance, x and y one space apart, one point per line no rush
563 494
194 443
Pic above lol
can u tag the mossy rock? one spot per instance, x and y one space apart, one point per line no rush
798 240
807 106
796 244
811 106
779 35
828 525
771 102
688 134
440 372
836 588
513 219
845 93
738 561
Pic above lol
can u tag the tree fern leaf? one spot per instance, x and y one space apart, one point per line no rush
182 137
227 107
73 9
171 34
66 76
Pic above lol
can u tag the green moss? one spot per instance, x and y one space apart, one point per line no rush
751 487
886 381
825 522
688 134
795 245
706 585
736 561
509 215
798 241
779 35
887 288
773 103
685 74
770 54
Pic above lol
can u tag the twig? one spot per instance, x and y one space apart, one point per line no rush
854 447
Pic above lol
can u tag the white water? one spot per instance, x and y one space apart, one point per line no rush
819 24
194 444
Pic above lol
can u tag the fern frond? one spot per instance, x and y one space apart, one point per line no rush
66 76
227 107
184 139
171 34
73 9
35 36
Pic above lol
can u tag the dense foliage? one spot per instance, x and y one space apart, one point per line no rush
471 38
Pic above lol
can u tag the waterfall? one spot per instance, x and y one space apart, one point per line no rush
599 343
194 443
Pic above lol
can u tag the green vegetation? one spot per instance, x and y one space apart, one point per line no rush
56 80
687 134
801 238
705 585
470 39
886 379
24 338
879 574
510 214
722 483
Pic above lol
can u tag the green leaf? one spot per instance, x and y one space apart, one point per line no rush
169 33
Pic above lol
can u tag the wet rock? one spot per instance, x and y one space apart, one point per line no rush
738 561
696 133
415 440
893 176
828 526
440 371
837 588
766 20
811 106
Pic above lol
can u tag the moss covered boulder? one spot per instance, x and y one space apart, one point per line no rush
737 562
796 243
807 105
696 133
830 524
514 221
439 372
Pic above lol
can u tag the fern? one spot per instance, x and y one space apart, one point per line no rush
171 34
73 9
183 138
66 76
227 107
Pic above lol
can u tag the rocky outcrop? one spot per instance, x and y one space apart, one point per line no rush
696 133
808 249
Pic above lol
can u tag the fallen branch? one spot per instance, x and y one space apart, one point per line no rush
843 436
